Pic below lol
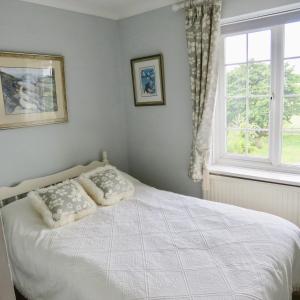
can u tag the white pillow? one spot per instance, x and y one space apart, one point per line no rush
62 203
106 185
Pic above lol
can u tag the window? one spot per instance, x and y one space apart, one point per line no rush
291 96
258 107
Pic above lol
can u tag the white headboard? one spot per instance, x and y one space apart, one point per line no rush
11 194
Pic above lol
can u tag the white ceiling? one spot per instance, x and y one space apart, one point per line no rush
112 9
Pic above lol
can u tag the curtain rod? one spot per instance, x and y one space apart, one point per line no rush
250 16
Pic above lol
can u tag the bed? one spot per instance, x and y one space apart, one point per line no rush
156 246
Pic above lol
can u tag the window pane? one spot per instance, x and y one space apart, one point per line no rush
259 79
291 114
236 142
259 44
259 112
291 147
236 78
292 45
292 77
248 91
235 49
236 113
258 143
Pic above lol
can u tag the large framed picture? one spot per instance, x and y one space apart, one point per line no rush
148 80
32 90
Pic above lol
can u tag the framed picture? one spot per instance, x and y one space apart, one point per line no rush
148 80
32 90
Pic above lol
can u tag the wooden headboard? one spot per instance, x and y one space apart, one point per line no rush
11 194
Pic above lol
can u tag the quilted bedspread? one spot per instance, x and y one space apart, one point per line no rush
155 246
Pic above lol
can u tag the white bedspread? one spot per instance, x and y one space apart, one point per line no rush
157 245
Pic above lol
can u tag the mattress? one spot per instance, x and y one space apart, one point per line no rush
156 245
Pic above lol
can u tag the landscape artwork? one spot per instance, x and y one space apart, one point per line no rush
28 90
32 90
148 80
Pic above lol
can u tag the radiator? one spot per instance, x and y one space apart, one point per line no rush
280 200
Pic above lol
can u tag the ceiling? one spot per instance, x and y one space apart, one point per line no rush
112 9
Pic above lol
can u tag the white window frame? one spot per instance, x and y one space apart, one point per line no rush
273 162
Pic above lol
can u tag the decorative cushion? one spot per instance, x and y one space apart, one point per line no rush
62 203
106 185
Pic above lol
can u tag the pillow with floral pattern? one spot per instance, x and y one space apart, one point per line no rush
106 185
63 203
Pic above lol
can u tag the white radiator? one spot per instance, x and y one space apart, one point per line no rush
280 200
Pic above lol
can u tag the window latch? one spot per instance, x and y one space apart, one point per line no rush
272 96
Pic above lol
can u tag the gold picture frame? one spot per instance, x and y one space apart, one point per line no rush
148 80
32 90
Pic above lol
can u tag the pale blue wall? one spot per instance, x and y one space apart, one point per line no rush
97 115
160 137
233 8
154 141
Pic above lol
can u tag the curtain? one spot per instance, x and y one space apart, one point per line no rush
202 31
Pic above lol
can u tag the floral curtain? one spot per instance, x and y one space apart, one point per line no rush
202 31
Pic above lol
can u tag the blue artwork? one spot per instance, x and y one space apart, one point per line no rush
148 81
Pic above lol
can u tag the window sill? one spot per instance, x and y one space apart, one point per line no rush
256 174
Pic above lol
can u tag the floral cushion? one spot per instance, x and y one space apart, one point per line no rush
106 185
62 203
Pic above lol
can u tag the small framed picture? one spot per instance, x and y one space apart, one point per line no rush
148 80
32 90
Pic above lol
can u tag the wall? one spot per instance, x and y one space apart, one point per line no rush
90 46
160 137
100 93
233 8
